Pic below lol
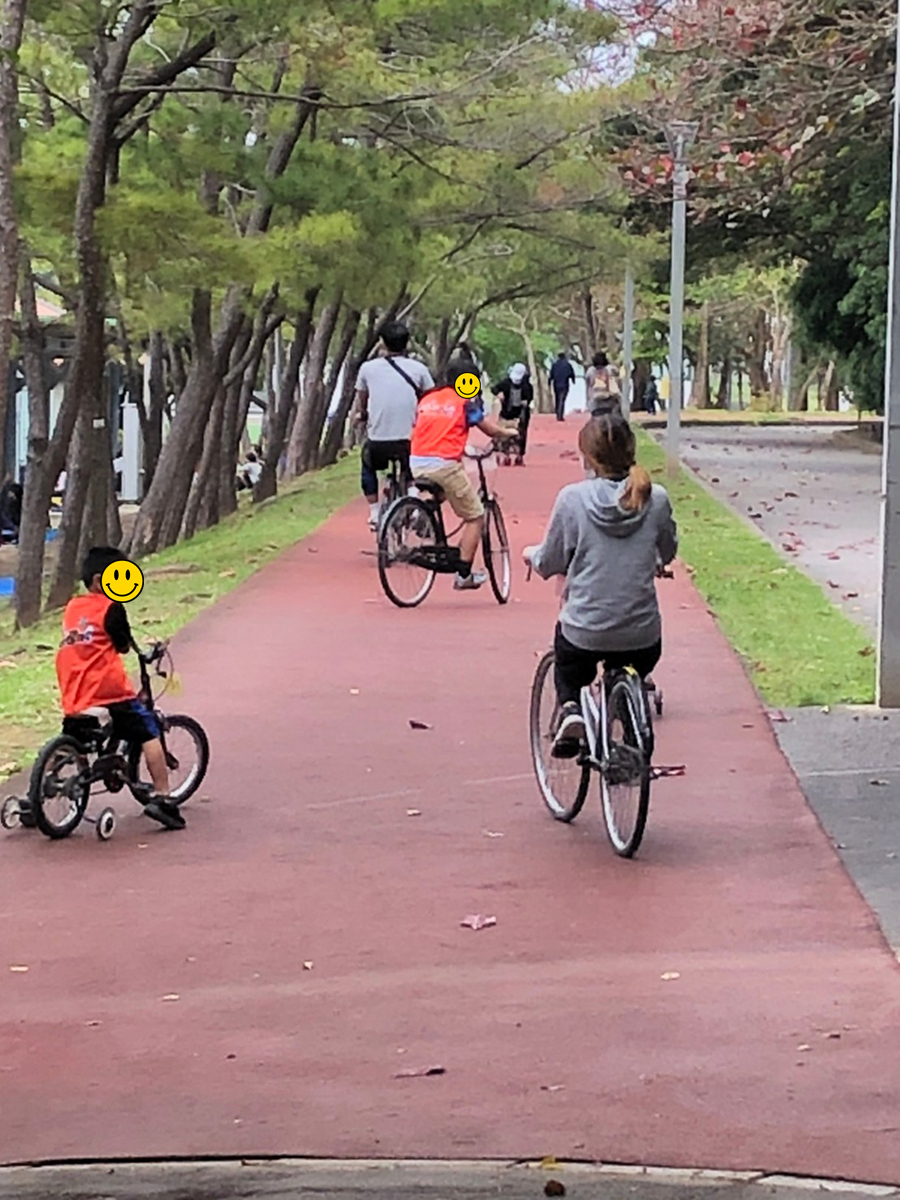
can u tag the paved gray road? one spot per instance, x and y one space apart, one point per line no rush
815 499
285 1180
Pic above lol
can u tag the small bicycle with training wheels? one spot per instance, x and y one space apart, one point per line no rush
89 753
414 546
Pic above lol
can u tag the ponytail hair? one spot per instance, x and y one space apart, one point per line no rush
607 442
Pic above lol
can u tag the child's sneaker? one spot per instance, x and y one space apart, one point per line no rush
165 812
469 583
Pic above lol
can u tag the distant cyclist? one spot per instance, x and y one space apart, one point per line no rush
561 376
607 535
387 391
439 438
516 394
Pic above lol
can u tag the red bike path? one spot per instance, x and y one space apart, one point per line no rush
253 985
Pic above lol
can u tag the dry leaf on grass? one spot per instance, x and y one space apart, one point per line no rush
477 921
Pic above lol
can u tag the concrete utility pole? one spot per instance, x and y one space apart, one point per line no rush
628 343
681 136
889 615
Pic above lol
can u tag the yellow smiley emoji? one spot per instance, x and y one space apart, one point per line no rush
468 386
122 581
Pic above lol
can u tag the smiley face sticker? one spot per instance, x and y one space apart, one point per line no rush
468 386
122 581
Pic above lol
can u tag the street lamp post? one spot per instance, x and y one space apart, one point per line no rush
681 136
628 343
889 614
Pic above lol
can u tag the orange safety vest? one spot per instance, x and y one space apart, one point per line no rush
89 668
440 430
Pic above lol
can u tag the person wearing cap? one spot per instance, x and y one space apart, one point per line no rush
515 393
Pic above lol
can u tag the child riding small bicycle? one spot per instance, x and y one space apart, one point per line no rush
608 535
91 674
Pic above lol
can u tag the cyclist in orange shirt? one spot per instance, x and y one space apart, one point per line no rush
91 674
439 437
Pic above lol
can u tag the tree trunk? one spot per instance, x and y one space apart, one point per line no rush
38 480
280 419
831 389
203 503
642 373
756 360
590 332
152 426
12 18
723 396
339 361
700 392
303 447
336 433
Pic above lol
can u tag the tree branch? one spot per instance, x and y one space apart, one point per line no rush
129 97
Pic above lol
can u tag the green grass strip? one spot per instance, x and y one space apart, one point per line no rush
214 562
800 649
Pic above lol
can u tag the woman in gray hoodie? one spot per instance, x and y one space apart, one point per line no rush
608 535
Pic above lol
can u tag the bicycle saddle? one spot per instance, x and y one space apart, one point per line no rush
428 485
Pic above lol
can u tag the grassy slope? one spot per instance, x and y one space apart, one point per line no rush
218 560
800 648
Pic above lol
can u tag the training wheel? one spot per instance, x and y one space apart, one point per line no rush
658 702
106 824
11 813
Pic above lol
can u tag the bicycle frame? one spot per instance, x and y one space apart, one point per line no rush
596 715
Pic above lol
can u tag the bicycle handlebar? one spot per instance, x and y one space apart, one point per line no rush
478 455
155 654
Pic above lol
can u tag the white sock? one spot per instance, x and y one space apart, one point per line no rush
373 511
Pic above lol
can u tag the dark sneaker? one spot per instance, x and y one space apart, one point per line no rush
469 583
569 733
165 812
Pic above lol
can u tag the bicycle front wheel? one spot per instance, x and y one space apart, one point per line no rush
57 794
187 757
495 545
563 782
408 528
625 775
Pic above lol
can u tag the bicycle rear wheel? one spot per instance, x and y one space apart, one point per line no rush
495 546
625 775
563 782
56 794
409 526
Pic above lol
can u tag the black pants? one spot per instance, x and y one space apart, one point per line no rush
560 398
523 416
378 456
576 669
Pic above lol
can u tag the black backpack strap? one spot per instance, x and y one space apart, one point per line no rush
415 387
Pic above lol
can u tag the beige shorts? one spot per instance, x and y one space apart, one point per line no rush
459 490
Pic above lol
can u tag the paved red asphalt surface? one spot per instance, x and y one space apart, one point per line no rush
557 1031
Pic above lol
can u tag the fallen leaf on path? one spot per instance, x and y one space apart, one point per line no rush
419 725
414 812
756 516
669 772
554 1188
834 1035
851 595
834 585
669 975
878 782
477 921
172 996
143 845
419 1072
833 557
491 834
791 496
548 1162
779 717
18 970
93 1024
552 1087
804 1047
748 725
312 549
354 691
827 709
308 966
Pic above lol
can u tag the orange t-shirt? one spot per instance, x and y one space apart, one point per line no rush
442 427
89 668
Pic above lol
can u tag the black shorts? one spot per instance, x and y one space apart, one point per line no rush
132 722
380 455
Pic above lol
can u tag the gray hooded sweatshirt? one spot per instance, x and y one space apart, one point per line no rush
609 557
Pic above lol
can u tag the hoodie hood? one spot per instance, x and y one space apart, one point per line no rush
602 501
517 373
